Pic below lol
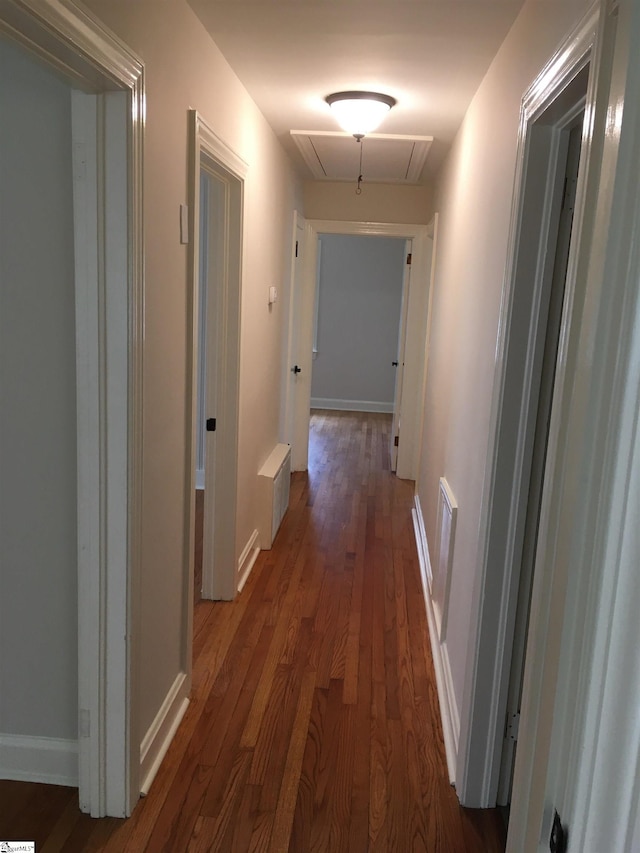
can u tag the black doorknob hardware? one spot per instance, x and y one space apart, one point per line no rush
394 363
211 424
295 369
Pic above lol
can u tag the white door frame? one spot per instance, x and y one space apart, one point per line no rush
411 411
581 753
109 347
482 719
220 564
431 258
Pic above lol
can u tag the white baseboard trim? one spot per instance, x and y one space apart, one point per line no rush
351 405
53 761
161 731
247 559
449 713
199 479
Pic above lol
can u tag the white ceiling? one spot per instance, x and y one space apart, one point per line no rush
428 54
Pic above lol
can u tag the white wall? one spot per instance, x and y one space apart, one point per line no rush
38 570
473 199
184 69
377 203
360 294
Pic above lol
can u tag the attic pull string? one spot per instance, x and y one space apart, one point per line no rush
359 138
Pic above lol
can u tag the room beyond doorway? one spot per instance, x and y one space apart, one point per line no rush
359 328
301 321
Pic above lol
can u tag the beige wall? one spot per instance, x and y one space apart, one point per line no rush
184 69
377 203
473 198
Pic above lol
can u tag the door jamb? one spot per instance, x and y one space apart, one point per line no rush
581 696
205 146
432 251
495 592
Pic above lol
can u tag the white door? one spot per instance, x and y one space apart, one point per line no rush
299 352
399 362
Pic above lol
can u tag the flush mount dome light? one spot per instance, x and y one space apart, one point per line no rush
360 112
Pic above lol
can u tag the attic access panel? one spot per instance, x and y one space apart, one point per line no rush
334 156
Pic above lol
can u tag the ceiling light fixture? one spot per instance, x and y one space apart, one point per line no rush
360 112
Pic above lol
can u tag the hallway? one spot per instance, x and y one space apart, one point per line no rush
313 724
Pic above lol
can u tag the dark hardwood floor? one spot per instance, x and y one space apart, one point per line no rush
198 537
314 723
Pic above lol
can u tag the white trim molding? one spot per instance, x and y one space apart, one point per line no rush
512 423
209 153
109 353
581 752
247 559
351 405
216 148
161 731
53 761
449 713
416 334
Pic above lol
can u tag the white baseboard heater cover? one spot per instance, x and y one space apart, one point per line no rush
445 533
274 480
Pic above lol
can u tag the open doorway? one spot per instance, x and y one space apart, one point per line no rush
563 190
359 326
301 317
211 233
79 323
538 309
215 225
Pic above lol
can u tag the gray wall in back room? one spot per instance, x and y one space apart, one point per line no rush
360 294
38 528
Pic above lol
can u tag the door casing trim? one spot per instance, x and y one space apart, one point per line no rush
411 414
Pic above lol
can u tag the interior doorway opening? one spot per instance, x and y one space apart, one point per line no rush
217 176
567 145
212 232
550 110
359 331
104 138
301 332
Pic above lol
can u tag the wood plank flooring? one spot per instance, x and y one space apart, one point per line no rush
198 543
314 723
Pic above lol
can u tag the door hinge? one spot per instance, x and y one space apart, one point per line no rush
559 836
512 726
396 440
79 161
211 424
296 248
409 258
